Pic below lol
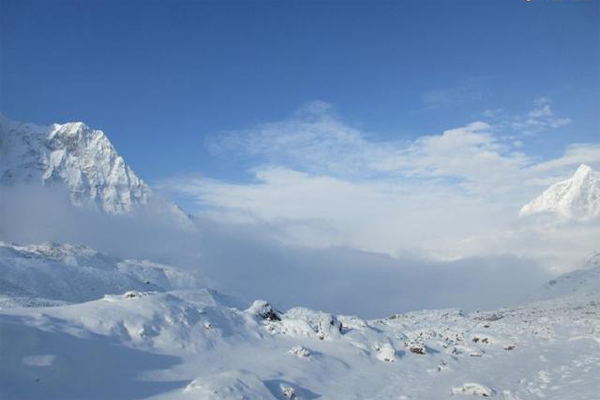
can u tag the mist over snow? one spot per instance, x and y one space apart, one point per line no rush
330 218
250 261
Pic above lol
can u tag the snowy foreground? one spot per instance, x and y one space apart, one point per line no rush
168 340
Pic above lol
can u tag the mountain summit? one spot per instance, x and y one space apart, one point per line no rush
79 157
575 198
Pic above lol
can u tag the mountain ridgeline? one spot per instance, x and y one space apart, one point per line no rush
80 158
576 198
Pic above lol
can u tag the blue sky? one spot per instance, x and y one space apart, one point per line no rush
162 78
394 127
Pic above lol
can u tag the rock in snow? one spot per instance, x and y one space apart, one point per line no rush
474 389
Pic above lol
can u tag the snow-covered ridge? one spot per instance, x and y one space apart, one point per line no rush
54 274
583 281
576 198
77 156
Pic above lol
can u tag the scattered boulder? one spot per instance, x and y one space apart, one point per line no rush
288 391
474 389
482 339
494 317
304 322
386 352
263 310
227 385
300 351
470 351
442 366
417 348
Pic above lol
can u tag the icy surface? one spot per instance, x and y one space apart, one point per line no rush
199 344
575 198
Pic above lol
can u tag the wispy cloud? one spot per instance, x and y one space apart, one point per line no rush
539 119
472 154
313 140
465 92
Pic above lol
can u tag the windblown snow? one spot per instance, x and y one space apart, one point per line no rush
575 198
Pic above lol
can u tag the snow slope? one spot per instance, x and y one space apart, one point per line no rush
82 159
54 274
183 345
584 280
199 344
575 198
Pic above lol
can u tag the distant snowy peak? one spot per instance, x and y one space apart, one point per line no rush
75 155
575 198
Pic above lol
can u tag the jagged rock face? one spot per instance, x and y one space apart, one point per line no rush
71 154
576 198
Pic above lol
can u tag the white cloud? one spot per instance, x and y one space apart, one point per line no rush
323 211
323 183
313 140
471 153
493 113
574 155
249 261
466 91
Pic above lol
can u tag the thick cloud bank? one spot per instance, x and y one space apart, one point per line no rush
249 259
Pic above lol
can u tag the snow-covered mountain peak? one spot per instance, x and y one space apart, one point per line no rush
582 171
79 157
575 198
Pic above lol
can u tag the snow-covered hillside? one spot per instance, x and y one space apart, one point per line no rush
54 274
584 280
575 198
81 158
200 344
188 345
